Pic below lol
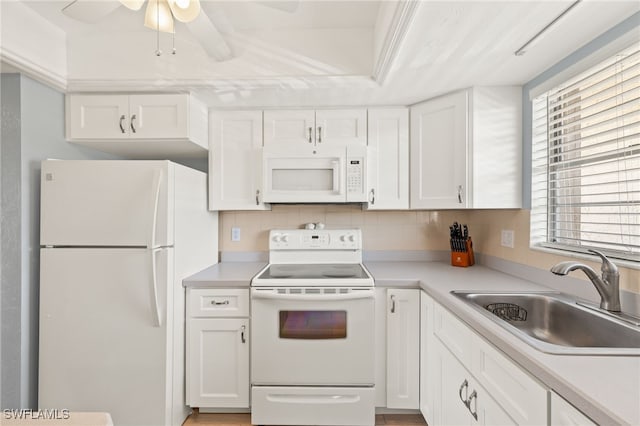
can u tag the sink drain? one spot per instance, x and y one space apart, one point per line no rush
508 311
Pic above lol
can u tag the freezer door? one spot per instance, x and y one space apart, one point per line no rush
102 347
106 203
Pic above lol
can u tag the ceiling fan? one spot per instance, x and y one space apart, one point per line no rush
160 15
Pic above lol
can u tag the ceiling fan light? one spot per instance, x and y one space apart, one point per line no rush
158 16
132 4
185 10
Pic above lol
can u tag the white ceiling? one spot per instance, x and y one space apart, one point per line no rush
323 52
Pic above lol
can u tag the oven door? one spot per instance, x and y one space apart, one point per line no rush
312 336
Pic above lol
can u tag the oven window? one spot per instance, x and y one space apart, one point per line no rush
313 324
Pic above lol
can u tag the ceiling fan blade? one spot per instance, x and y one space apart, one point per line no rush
284 5
210 38
90 11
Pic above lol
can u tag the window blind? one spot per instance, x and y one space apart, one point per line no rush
586 161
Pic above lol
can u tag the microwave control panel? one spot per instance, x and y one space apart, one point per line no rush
356 174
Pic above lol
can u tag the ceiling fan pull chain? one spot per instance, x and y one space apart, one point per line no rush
158 51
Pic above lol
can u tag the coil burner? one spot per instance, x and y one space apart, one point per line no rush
508 311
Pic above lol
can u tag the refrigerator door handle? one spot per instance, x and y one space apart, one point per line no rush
155 307
157 180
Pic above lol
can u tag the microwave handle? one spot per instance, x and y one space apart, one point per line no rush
311 297
337 169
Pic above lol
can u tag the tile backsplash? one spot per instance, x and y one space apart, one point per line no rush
401 230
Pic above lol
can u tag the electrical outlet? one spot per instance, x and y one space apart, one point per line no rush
506 239
235 234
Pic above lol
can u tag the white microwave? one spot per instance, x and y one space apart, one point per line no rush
330 175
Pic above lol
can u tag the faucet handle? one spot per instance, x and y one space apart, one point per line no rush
607 265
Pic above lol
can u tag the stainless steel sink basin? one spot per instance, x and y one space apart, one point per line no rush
556 323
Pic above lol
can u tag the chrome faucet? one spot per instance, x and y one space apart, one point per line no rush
608 286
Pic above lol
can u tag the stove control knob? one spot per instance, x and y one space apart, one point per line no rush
343 238
285 238
276 238
352 238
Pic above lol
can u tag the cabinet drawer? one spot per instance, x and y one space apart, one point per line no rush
207 302
518 393
453 333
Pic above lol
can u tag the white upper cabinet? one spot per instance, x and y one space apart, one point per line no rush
439 153
466 150
235 161
388 159
300 129
153 126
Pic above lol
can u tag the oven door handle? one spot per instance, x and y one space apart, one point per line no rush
311 297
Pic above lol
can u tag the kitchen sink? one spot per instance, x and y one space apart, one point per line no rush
556 323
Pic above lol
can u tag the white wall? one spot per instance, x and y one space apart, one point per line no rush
32 130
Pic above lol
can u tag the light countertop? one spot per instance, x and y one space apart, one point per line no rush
225 275
605 388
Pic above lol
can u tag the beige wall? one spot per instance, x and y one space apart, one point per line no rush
402 230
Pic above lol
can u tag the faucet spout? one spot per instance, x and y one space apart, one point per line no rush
608 286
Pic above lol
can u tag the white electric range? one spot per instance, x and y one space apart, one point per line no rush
312 316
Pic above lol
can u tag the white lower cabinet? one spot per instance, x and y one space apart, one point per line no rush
217 349
467 381
403 348
565 414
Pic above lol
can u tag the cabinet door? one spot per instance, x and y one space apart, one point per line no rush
98 116
403 348
218 363
388 159
341 127
439 152
289 128
427 373
235 160
158 116
564 414
452 389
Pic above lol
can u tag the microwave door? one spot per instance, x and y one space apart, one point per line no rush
304 180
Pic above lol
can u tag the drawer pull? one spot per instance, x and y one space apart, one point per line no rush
464 385
213 302
393 304
243 328
473 397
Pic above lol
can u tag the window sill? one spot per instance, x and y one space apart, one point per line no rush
630 264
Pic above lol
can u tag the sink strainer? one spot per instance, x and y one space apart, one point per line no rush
508 311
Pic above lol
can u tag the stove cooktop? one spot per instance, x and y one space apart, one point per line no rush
334 274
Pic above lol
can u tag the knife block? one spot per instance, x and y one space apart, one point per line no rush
463 258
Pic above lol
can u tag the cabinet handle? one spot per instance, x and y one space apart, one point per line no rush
310 132
464 385
122 117
372 197
213 302
473 397
460 194
244 340
393 304
319 134
257 197
133 117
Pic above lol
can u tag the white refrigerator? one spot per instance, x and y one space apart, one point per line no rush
117 238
